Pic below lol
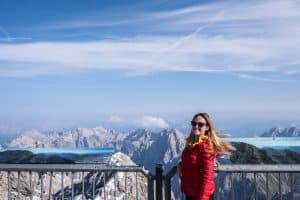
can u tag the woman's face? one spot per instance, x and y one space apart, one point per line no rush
199 126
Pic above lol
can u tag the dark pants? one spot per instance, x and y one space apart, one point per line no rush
194 198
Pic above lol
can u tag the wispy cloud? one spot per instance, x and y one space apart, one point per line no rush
227 37
255 77
5 36
234 13
151 54
152 122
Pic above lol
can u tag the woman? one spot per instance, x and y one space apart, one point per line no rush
196 168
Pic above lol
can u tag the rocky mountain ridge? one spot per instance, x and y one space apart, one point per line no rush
291 131
144 146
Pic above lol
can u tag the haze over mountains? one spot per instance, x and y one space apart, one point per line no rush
145 147
91 137
236 127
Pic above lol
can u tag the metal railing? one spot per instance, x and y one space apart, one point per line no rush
67 181
92 181
250 182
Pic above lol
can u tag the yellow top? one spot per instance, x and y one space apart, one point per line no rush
201 139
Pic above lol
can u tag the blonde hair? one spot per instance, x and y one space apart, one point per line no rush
217 146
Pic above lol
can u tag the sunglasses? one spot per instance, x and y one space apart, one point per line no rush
200 124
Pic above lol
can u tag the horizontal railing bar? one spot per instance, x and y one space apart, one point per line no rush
258 168
70 167
92 167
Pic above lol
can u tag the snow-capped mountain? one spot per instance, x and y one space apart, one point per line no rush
148 148
291 131
144 146
30 138
75 138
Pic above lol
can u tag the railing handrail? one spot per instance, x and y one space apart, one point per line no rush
88 172
251 168
239 168
159 178
72 167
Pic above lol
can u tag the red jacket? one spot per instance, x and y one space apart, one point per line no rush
197 168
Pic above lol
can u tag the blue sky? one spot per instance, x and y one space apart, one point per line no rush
147 63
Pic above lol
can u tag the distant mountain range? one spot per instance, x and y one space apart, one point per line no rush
147 147
292 131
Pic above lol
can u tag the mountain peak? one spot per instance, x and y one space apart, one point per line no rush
291 131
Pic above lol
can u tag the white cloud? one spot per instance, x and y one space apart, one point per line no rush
227 37
152 122
235 12
247 76
115 119
151 54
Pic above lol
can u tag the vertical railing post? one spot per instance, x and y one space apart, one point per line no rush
19 195
72 185
267 185
8 185
30 185
41 177
168 178
150 187
217 186
158 181
255 193
292 186
168 189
